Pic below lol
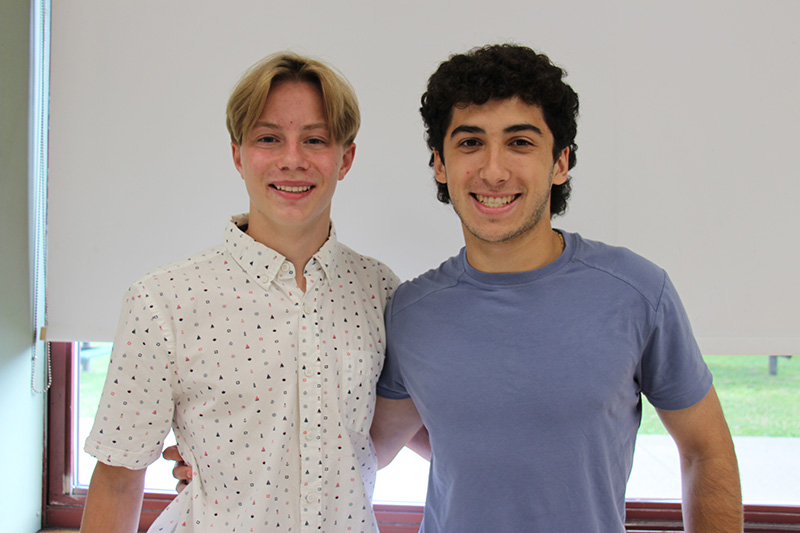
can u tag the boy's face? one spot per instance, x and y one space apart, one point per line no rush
499 169
290 163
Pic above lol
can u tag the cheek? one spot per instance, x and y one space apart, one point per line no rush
327 168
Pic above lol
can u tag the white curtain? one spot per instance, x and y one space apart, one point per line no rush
688 127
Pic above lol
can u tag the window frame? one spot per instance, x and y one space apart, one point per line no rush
63 505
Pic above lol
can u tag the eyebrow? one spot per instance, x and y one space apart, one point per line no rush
523 127
319 125
511 129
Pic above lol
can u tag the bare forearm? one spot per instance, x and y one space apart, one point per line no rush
114 500
712 496
387 444
394 424
421 443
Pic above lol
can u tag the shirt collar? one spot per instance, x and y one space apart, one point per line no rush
263 263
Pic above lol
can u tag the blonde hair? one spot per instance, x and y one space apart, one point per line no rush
250 95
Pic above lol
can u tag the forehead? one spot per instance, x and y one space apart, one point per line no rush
294 100
499 115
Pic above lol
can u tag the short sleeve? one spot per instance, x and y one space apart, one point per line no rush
390 384
674 375
136 408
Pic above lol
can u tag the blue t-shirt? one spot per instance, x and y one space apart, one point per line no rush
529 384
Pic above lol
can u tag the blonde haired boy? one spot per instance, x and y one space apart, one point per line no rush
262 353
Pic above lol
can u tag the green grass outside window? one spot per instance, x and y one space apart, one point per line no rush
755 403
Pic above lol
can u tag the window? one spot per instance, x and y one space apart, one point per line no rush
68 470
760 399
66 476
91 368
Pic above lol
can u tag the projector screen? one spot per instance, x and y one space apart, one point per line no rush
689 113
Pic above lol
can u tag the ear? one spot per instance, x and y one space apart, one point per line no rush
237 158
561 167
440 173
347 160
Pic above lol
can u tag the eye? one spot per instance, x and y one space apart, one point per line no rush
267 139
521 143
470 143
317 141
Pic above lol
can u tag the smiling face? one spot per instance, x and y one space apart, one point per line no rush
291 164
499 169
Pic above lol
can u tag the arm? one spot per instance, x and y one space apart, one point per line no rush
114 500
421 443
394 424
712 496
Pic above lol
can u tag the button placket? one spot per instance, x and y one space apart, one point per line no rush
310 387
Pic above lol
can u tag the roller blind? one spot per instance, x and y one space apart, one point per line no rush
688 128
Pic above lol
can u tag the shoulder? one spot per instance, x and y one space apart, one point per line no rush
193 267
369 271
621 265
443 277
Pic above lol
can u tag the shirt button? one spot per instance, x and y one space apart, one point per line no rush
306 309
285 267
308 371
309 435
310 498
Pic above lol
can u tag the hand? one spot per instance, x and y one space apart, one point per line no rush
182 472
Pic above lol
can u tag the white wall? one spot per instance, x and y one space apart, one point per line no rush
21 411
685 138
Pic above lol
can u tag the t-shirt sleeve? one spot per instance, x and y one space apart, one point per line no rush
674 375
390 384
135 411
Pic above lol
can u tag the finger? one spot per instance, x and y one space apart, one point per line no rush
171 453
181 485
182 472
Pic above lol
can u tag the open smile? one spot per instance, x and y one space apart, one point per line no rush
284 188
495 201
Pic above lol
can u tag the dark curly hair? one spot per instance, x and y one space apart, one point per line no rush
499 72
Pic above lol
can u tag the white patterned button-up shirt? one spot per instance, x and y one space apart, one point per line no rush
270 391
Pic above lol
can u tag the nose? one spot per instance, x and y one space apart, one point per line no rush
494 169
293 157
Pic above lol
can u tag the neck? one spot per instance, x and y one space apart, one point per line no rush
296 244
527 252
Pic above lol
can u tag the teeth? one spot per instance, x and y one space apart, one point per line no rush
494 201
292 189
